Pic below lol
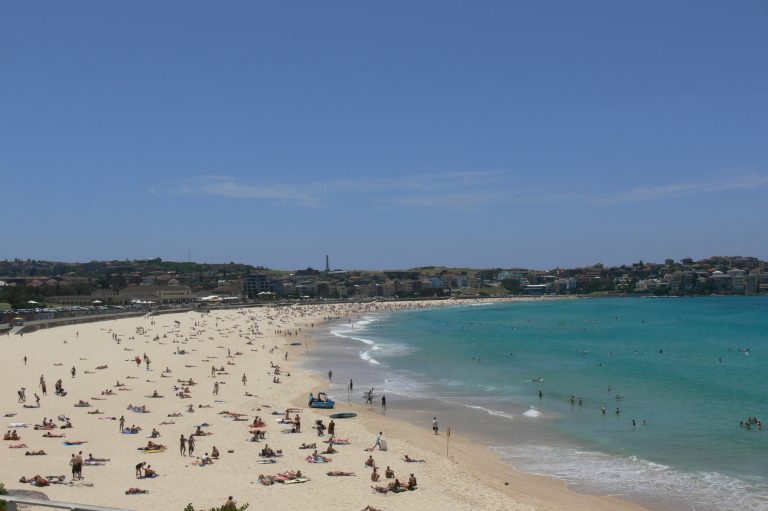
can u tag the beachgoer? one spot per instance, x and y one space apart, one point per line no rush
191 444
230 504
383 404
74 467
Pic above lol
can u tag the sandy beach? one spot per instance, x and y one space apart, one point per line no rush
215 351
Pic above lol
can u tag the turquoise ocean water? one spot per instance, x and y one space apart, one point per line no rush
688 370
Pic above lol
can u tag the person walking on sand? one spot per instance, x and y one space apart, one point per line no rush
122 423
216 388
72 464
25 360
73 371
79 464
378 442
383 404
245 380
191 444
182 445
330 375
434 425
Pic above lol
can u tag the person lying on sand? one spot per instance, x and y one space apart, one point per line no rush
35 453
52 435
339 473
394 486
36 480
152 446
18 446
408 459
317 458
308 446
135 491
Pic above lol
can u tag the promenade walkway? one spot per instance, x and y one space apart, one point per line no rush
12 502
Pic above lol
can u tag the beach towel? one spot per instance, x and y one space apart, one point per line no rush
297 480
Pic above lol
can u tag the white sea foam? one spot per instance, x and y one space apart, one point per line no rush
607 474
491 411
532 413
367 357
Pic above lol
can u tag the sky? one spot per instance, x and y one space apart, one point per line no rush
385 134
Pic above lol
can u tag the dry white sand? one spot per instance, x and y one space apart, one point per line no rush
472 478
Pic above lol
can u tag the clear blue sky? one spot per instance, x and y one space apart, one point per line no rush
386 134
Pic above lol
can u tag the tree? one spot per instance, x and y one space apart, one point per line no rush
3 491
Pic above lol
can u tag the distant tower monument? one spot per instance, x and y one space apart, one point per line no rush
327 264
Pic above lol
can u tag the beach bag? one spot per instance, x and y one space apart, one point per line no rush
383 445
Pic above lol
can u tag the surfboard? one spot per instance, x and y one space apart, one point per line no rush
343 415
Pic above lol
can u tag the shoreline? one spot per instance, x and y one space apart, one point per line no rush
476 458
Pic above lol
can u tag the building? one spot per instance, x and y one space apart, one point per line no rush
255 284
738 281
